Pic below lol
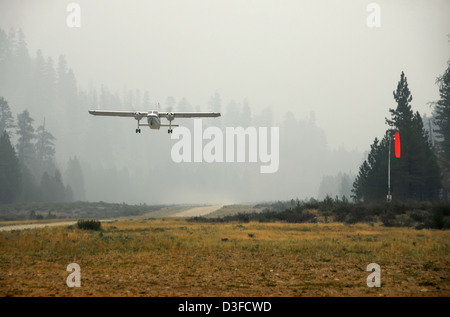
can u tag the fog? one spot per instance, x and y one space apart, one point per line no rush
315 69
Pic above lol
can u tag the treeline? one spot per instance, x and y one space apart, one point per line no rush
419 180
413 214
73 210
422 171
28 171
340 185
112 158
28 168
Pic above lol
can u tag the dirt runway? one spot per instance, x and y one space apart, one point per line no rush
191 212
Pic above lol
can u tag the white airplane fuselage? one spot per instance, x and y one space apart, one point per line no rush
153 120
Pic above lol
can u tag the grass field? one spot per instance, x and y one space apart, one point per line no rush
174 257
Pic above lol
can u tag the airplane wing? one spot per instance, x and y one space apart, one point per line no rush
161 114
117 113
154 123
190 114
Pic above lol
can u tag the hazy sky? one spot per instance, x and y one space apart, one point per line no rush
297 56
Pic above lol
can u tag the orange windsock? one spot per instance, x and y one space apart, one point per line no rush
397 144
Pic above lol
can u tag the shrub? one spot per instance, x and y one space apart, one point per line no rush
340 212
388 218
359 213
419 215
89 224
438 218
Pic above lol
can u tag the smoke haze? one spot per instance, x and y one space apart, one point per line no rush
312 68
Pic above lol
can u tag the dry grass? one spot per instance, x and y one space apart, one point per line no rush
34 221
179 258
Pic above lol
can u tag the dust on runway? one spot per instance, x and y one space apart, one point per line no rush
197 211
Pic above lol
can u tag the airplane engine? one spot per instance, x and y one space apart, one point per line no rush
170 116
138 115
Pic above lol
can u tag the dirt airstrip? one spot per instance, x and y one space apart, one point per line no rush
170 256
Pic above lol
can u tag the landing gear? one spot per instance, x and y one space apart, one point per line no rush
138 130
170 116
170 126
138 117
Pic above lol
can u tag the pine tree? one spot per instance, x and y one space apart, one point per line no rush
246 114
26 134
345 186
38 79
49 84
22 61
59 190
3 48
377 185
170 103
6 118
146 101
46 188
442 121
3 55
45 149
69 194
74 177
61 73
215 102
53 189
415 175
9 171
30 190
21 50
26 153
184 105
12 43
360 183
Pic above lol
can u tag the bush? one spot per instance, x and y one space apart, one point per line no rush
438 218
296 215
419 215
359 213
341 211
446 222
413 214
388 219
352 213
89 224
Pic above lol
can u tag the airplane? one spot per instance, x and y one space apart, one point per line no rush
154 117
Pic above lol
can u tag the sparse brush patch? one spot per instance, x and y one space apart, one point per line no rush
89 224
414 214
